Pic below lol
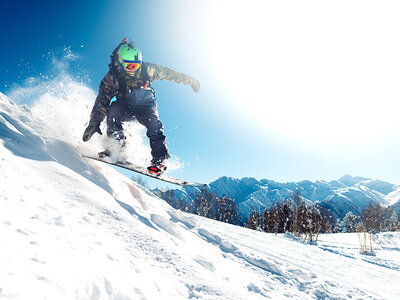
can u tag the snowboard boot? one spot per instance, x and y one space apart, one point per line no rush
105 153
157 167
121 144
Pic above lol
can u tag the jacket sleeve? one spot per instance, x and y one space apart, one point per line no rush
107 90
158 72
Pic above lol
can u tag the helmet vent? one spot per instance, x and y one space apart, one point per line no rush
131 44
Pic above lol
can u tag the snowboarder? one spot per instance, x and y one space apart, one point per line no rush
129 80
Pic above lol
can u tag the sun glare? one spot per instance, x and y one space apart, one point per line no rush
311 71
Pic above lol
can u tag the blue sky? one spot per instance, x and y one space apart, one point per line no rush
289 91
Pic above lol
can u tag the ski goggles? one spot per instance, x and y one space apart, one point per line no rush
130 65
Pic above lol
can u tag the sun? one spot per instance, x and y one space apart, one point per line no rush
297 71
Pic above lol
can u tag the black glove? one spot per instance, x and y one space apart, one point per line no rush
195 85
90 130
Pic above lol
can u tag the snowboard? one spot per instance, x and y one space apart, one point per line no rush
143 171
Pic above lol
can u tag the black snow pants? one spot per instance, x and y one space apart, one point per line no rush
139 106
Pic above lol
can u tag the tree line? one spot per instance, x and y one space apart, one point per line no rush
206 204
293 214
307 221
296 216
374 218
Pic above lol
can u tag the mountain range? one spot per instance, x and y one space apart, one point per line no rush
345 194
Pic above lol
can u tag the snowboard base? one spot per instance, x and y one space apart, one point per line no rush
144 171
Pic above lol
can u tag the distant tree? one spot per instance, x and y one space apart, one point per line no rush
315 229
278 218
310 221
336 227
372 217
138 179
350 222
226 210
394 224
169 196
254 222
365 241
285 215
390 220
204 204
298 213
298 217
307 220
328 219
269 219
303 217
360 227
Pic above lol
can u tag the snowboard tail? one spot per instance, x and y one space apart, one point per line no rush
144 171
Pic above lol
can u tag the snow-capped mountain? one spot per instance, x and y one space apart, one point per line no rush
394 197
346 194
77 229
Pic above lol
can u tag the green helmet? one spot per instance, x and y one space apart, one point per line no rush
130 58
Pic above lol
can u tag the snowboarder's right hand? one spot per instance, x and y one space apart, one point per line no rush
90 130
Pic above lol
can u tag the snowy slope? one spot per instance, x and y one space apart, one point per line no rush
394 197
72 229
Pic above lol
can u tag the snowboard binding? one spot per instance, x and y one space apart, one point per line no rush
157 168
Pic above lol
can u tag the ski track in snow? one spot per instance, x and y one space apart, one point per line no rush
74 229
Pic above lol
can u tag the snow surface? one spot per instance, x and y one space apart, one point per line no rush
76 229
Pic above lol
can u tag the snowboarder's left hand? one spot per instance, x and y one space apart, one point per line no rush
195 84
90 130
